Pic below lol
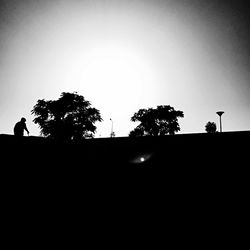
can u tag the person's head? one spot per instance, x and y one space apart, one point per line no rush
23 119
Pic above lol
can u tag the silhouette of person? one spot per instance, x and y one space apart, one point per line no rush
20 127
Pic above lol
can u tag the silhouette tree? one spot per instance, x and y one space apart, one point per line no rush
210 127
154 122
70 117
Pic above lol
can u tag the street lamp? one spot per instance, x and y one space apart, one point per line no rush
111 134
220 113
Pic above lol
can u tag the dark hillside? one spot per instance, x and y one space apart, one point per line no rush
185 160
183 154
180 181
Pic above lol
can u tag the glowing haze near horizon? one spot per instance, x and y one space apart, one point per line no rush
123 56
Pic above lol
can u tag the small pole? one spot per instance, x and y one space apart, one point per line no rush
111 134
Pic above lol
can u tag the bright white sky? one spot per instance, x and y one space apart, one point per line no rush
123 56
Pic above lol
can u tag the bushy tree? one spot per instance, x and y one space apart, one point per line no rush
210 127
70 117
155 122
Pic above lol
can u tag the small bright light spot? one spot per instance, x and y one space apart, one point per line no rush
142 159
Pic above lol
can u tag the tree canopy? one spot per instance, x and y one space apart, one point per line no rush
155 122
71 117
210 127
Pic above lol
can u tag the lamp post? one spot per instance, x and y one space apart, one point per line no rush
111 134
220 113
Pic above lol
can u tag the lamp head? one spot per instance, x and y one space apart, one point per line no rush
220 113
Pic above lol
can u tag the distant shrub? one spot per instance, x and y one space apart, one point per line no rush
210 127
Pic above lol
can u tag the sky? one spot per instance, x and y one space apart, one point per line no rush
123 55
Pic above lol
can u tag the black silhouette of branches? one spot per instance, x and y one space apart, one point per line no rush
71 117
156 122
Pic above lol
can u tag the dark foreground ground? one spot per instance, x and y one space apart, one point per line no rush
191 190
199 157
158 153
